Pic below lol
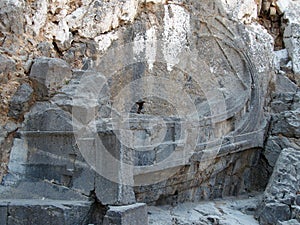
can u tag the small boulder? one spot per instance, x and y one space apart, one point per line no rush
48 75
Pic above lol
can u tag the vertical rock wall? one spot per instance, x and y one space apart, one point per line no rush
188 100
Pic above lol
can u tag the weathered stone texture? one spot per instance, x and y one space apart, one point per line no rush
21 101
225 211
151 101
279 202
35 212
127 215
290 10
284 123
6 66
48 75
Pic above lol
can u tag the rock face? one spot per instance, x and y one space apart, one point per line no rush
193 142
280 199
291 34
111 103
281 152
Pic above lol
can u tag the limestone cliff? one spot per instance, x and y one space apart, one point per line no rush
153 101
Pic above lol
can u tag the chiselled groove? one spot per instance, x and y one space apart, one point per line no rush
219 19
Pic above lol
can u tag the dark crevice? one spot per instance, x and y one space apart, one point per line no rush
168 199
74 33
7 214
268 131
261 174
97 211
274 22
56 48
140 106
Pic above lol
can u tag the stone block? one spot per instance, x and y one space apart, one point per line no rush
284 85
48 75
18 157
272 150
47 117
113 193
273 212
3 213
135 214
36 212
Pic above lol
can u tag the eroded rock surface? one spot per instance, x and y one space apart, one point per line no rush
280 202
117 102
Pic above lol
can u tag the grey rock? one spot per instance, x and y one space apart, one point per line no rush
12 19
144 158
44 189
272 150
296 101
3 213
50 128
57 119
18 157
113 193
271 213
38 211
51 153
297 200
11 126
296 212
274 146
281 58
20 102
292 31
27 65
235 77
7 65
280 193
84 179
289 222
285 101
287 123
284 84
48 75
135 214
292 43
227 211
45 48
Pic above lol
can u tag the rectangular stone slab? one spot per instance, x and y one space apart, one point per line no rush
135 214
